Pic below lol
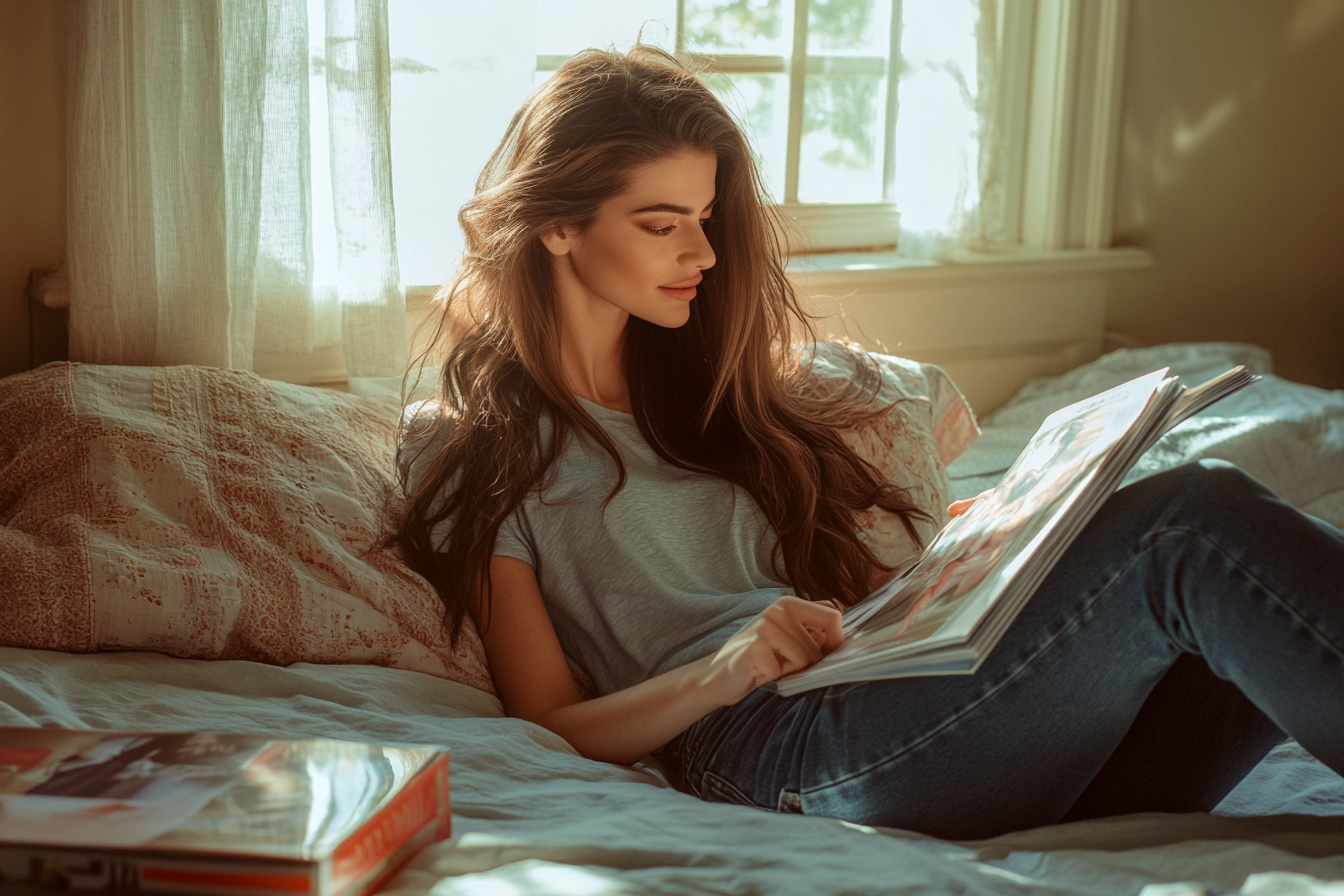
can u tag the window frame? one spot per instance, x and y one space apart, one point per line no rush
1061 80
817 226
1061 70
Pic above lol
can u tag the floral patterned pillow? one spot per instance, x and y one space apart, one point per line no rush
208 513
927 425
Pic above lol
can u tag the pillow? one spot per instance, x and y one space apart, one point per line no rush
926 426
208 513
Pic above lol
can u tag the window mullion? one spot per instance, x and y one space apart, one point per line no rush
1013 53
895 64
797 82
679 48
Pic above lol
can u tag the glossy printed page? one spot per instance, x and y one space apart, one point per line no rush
196 791
112 789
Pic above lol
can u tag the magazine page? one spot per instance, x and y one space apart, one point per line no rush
114 789
972 555
939 601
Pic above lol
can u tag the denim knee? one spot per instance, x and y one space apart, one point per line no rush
1211 485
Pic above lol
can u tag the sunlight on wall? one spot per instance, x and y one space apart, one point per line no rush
1187 138
1312 19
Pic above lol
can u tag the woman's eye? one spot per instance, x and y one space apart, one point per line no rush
661 231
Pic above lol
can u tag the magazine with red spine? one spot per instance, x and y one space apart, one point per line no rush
209 812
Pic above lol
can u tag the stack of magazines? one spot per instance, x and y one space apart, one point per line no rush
944 613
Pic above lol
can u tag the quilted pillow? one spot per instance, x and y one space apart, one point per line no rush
211 514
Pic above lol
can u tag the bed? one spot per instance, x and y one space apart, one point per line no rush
193 549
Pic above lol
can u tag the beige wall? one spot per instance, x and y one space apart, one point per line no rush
1232 176
32 161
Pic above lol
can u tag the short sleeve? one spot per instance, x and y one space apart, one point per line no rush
515 539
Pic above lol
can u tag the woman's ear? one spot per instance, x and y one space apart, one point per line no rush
557 240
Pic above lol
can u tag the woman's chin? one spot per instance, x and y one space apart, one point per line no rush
671 318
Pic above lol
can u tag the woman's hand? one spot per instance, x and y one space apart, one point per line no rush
789 635
957 508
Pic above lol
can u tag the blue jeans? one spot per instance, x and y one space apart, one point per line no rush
1196 619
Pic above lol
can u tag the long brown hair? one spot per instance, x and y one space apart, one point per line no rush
740 405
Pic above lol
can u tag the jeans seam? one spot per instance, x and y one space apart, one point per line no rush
1278 601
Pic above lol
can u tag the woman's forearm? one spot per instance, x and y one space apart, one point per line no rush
787 636
627 725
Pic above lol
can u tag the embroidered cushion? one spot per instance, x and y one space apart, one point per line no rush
208 513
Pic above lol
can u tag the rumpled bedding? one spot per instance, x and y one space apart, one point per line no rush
530 816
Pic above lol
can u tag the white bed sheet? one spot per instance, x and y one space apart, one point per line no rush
530 816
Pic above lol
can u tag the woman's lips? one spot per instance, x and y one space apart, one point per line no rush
685 291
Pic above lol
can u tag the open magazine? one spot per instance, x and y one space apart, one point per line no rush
945 612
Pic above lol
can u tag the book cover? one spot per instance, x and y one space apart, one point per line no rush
207 812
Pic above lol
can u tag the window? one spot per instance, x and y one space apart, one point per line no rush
876 121
827 90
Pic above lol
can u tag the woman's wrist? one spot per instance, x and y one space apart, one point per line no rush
704 686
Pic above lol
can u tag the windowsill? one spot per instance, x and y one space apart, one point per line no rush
966 266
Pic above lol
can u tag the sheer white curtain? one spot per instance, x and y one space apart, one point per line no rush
190 200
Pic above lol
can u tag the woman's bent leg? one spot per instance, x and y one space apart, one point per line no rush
1197 560
1193 741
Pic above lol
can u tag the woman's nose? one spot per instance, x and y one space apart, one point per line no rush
699 252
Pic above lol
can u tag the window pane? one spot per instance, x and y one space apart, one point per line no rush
849 27
840 159
758 27
564 28
844 127
937 133
760 103
459 70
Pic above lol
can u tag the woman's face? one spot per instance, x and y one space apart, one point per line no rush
644 252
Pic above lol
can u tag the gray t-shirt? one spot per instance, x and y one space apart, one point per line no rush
678 562
674 566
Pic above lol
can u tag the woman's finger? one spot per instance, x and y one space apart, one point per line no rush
797 615
792 641
957 508
829 622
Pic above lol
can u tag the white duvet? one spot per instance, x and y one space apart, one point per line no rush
530 816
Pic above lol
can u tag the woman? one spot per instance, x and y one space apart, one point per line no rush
634 470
